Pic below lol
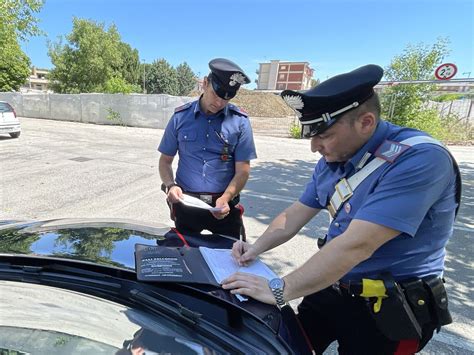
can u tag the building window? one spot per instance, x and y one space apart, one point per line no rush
281 86
283 67
282 76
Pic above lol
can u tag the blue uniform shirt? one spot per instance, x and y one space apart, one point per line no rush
414 195
208 146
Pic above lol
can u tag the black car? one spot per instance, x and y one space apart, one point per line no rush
70 287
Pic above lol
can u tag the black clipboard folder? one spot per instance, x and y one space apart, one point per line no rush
172 264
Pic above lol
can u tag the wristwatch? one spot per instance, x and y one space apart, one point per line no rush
166 189
276 286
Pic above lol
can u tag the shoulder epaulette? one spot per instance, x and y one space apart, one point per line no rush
183 107
238 110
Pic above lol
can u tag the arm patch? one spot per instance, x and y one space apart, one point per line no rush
390 150
183 107
238 110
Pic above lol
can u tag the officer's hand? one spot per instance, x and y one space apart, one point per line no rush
175 194
243 253
249 285
221 203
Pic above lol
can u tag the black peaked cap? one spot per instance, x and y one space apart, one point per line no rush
322 105
226 77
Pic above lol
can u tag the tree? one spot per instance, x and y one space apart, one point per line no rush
186 79
314 82
17 18
130 67
418 62
14 66
17 22
92 57
117 85
162 78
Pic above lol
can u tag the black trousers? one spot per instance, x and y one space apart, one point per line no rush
194 220
334 314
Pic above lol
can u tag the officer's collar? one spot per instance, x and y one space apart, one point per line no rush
197 109
370 146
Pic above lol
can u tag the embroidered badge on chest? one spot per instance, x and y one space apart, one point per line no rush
390 150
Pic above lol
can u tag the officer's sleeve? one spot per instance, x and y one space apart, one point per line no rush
169 142
409 188
245 148
309 197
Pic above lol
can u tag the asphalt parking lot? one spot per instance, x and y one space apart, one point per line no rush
71 170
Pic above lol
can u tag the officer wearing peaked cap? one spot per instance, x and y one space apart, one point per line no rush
215 144
392 194
319 108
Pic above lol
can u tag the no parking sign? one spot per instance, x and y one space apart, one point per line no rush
446 71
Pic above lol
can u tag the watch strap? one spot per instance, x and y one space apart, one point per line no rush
278 293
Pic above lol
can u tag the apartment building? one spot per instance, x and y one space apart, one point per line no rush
278 75
37 80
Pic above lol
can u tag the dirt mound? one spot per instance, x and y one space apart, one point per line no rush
260 104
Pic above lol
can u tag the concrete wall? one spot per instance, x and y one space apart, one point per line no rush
137 110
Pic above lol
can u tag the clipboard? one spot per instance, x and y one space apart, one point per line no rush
172 264
191 265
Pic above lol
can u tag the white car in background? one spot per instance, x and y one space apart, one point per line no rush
9 123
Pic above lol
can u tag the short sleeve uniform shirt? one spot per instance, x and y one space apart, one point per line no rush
415 195
208 146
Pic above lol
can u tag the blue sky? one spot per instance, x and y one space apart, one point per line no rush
334 36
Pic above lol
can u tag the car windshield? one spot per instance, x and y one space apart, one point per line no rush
38 319
4 107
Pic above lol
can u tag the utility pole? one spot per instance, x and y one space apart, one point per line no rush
144 77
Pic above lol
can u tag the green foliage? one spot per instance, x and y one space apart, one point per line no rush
162 78
14 65
457 130
114 116
117 85
16 23
417 62
314 82
93 59
186 79
427 121
295 130
130 66
448 97
17 19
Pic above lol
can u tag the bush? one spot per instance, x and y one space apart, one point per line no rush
428 121
449 129
117 85
295 130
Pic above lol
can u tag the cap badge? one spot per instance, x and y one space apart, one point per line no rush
237 78
295 102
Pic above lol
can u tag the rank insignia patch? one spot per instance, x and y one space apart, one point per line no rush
390 150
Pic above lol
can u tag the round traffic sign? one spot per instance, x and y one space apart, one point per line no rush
446 71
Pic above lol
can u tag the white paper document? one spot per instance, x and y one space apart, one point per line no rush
192 201
222 264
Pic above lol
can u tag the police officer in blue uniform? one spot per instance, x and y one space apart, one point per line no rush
392 193
214 141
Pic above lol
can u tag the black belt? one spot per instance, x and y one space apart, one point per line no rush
355 287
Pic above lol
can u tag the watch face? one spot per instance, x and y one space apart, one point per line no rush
276 283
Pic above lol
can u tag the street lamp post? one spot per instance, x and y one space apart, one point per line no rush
144 77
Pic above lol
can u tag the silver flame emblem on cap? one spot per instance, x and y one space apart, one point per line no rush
237 78
295 102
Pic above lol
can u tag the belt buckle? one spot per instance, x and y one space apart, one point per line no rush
344 190
206 198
